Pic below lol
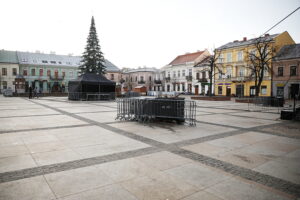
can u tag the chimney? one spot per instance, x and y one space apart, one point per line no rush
235 41
245 39
267 34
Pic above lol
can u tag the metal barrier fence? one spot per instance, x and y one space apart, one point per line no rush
149 109
90 96
264 104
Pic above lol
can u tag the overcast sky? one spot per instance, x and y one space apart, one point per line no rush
136 33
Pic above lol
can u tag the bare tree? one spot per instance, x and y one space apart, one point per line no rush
214 67
259 61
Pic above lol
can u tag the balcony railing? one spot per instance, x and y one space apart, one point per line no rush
189 78
157 81
168 79
202 80
141 82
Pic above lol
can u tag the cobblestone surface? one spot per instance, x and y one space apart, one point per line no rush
270 181
248 174
47 169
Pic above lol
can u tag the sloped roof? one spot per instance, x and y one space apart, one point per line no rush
189 57
93 79
245 43
57 60
8 57
288 52
143 69
47 59
203 62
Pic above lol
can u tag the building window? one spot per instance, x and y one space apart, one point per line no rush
220 90
53 62
24 72
41 72
48 72
32 72
190 72
229 72
150 78
59 62
197 75
142 79
4 84
221 58
56 73
280 91
178 87
293 70
203 74
183 87
14 72
4 71
112 77
71 74
44 61
263 90
241 71
280 71
169 75
63 74
174 75
229 57
240 56
178 73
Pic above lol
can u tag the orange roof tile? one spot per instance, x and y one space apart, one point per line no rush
182 59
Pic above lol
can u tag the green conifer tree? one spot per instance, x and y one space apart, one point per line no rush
92 58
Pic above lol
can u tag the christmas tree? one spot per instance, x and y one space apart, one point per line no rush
93 60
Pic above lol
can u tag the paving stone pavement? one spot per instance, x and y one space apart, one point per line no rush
115 141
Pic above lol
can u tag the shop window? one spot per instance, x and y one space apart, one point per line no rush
263 90
4 84
220 88
24 72
280 92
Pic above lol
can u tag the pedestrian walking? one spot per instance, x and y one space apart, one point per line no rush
30 92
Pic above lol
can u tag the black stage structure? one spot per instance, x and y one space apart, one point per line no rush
90 86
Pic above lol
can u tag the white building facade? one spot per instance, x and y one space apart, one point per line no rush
180 75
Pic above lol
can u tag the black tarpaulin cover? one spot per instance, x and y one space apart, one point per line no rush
90 83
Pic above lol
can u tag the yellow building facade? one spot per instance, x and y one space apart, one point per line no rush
235 79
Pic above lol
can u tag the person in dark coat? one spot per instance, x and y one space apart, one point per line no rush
30 92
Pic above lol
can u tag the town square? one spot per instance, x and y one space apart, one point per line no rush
220 122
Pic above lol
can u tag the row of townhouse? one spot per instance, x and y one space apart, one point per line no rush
180 75
233 75
46 72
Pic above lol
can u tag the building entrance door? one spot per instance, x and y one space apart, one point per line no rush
228 91
240 90
196 89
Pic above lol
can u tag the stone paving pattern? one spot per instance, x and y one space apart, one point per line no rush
51 148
